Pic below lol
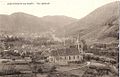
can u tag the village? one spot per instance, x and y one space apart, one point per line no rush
43 57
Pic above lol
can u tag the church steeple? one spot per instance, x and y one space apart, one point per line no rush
79 44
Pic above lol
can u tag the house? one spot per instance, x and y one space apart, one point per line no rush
65 56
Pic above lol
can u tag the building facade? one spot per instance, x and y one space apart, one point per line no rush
65 56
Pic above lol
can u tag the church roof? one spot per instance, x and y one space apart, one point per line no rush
65 52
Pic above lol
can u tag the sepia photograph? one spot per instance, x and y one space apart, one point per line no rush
59 38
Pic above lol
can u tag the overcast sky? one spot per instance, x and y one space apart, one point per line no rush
71 8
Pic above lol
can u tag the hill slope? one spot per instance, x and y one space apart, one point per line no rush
25 23
98 25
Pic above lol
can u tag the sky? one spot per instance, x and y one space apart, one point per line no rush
72 8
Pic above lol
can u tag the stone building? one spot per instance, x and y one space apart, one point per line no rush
65 56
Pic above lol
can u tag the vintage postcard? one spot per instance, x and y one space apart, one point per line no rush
59 38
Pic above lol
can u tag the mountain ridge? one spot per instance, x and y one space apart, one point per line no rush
93 26
96 26
22 22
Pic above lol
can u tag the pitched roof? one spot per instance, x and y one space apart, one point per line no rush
65 52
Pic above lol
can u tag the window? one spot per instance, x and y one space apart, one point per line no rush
78 57
73 57
61 58
69 57
65 57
